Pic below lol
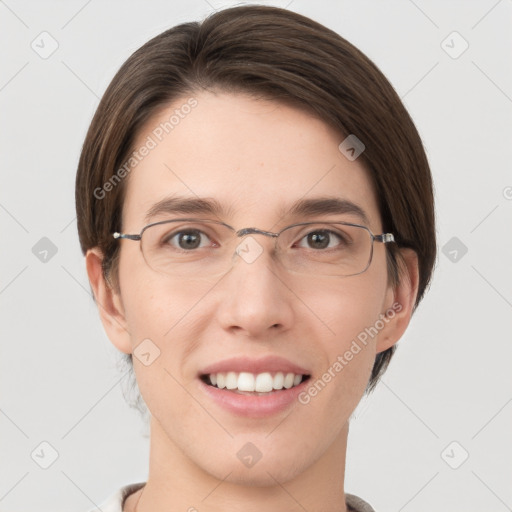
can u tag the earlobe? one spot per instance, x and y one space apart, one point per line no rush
109 302
400 311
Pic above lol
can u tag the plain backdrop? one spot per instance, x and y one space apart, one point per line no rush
435 435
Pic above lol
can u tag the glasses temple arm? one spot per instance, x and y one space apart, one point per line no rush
385 237
128 237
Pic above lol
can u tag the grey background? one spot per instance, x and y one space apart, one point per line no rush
450 378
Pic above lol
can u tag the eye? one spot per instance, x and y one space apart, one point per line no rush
324 239
186 239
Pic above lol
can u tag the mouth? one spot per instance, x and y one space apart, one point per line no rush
254 387
260 384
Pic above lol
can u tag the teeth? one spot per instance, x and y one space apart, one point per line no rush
288 380
264 383
231 380
261 383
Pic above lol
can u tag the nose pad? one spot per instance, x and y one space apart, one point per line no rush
249 249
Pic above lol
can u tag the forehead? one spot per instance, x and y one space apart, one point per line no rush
253 158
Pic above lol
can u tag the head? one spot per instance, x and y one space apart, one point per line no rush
248 108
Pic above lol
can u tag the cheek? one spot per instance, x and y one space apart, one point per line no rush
343 321
163 322
340 310
154 305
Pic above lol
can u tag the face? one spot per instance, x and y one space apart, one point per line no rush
256 159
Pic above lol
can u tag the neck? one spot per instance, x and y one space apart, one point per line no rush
176 482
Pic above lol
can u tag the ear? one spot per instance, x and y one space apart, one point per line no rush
109 302
400 301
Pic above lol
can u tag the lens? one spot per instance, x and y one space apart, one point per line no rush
189 248
205 249
326 249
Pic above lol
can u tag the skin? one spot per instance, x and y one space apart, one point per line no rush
255 157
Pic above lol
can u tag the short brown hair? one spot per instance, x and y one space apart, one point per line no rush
275 54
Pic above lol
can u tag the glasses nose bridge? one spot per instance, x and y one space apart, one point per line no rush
249 231
256 231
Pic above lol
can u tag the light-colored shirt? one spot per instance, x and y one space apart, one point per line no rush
115 502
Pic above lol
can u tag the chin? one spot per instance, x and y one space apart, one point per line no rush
264 472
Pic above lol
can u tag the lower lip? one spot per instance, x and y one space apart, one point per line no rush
254 406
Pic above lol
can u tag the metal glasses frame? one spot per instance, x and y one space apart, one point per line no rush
383 237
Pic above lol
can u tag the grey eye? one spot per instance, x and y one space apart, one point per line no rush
322 239
187 240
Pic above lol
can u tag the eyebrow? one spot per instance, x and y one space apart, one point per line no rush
325 205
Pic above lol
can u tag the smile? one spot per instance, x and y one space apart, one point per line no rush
250 383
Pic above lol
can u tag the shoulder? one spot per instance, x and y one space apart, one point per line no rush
115 502
356 504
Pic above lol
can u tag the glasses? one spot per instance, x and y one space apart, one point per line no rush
208 248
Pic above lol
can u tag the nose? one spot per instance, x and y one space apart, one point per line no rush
256 298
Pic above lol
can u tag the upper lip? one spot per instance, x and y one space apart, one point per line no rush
246 364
